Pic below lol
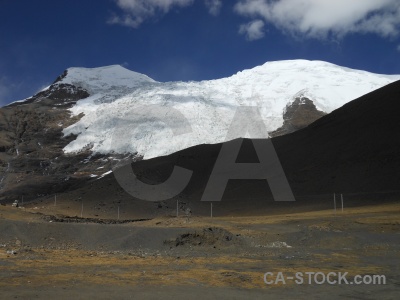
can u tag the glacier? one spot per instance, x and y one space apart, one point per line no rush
112 121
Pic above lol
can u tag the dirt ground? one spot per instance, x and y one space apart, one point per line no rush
44 256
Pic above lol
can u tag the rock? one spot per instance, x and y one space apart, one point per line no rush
299 114
32 160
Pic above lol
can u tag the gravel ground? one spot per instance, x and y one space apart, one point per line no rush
199 258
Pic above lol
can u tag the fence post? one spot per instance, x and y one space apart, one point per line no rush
342 201
334 202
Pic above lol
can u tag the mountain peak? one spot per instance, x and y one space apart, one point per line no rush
99 79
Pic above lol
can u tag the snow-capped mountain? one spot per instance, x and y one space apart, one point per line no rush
75 130
117 94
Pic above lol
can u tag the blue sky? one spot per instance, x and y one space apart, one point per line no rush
185 40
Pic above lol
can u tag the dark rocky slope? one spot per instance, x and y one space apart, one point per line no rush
32 162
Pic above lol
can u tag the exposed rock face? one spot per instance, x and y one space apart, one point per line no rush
62 95
32 161
298 115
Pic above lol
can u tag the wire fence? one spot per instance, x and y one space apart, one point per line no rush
120 209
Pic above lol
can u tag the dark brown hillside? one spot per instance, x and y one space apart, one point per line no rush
354 149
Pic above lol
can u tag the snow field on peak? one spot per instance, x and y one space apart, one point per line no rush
112 122
100 79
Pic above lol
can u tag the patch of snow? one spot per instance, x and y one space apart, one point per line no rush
105 174
278 245
19 101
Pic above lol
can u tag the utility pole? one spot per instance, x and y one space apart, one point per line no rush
211 209
118 212
82 210
177 208
334 202
342 201
55 200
